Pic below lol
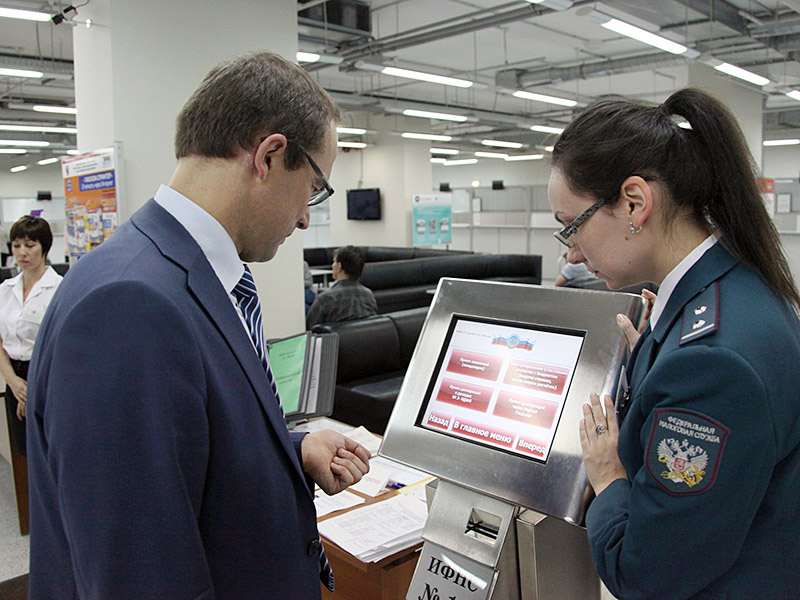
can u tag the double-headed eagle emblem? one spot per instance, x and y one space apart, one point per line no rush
685 463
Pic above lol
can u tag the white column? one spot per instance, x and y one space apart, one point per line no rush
134 69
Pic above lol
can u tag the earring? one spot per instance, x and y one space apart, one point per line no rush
633 229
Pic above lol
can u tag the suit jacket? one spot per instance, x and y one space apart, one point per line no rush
160 463
711 446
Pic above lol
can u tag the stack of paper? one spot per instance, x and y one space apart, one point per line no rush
373 532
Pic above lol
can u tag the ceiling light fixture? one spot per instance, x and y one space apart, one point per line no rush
47 161
46 108
38 128
351 145
19 168
418 75
21 73
427 136
640 35
73 152
794 95
351 130
313 57
491 154
787 142
742 74
426 114
546 129
28 143
543 98
439 161
62 110
455 163
501 144
309 57
12 151
451 151
525 157
553 4
26 15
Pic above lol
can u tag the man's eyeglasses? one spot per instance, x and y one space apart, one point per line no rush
318 196
564 235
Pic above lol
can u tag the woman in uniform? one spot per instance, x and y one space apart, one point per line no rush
697 472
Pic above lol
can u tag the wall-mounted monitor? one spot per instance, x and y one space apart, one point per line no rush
364 204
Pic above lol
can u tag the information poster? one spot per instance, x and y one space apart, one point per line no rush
91 191
502 385
432 219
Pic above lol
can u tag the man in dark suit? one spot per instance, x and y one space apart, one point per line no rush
161 466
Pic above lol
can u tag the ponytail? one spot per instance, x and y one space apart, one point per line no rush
734 204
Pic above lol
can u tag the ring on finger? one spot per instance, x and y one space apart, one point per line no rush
600 429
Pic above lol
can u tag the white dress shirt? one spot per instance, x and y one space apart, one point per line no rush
673 277
210 235
20 320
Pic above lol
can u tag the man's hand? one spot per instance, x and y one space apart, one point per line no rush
333 460
624 323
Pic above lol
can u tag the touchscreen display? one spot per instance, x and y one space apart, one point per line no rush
502 384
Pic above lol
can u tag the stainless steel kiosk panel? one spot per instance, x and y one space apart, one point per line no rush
492 397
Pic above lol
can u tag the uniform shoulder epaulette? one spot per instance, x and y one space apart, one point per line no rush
701 315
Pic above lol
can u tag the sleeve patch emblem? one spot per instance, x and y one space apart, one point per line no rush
685 450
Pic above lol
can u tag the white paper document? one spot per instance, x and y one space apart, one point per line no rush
323 423
326 504
374 482
369 440
379 530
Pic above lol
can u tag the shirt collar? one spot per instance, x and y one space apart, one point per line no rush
676 274
210 235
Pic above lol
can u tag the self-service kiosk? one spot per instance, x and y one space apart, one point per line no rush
491 404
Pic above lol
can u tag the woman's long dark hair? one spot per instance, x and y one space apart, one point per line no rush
708 171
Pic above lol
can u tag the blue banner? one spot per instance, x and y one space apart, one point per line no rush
96 181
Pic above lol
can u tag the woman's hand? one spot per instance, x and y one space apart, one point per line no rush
19 387
599 437
21 409
624 323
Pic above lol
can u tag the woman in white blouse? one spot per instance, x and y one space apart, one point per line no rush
23 302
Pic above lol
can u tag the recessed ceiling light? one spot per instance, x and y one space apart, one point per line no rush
427 136
501 144
546 129
787 142
351 130
543 98
451 151
426 114
525 157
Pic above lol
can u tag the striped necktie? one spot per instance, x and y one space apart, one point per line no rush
247 299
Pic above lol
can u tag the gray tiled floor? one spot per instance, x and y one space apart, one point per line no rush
14 548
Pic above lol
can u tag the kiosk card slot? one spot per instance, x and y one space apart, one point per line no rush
483 526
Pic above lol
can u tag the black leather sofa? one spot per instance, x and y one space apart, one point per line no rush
403 283
323 257
373 357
